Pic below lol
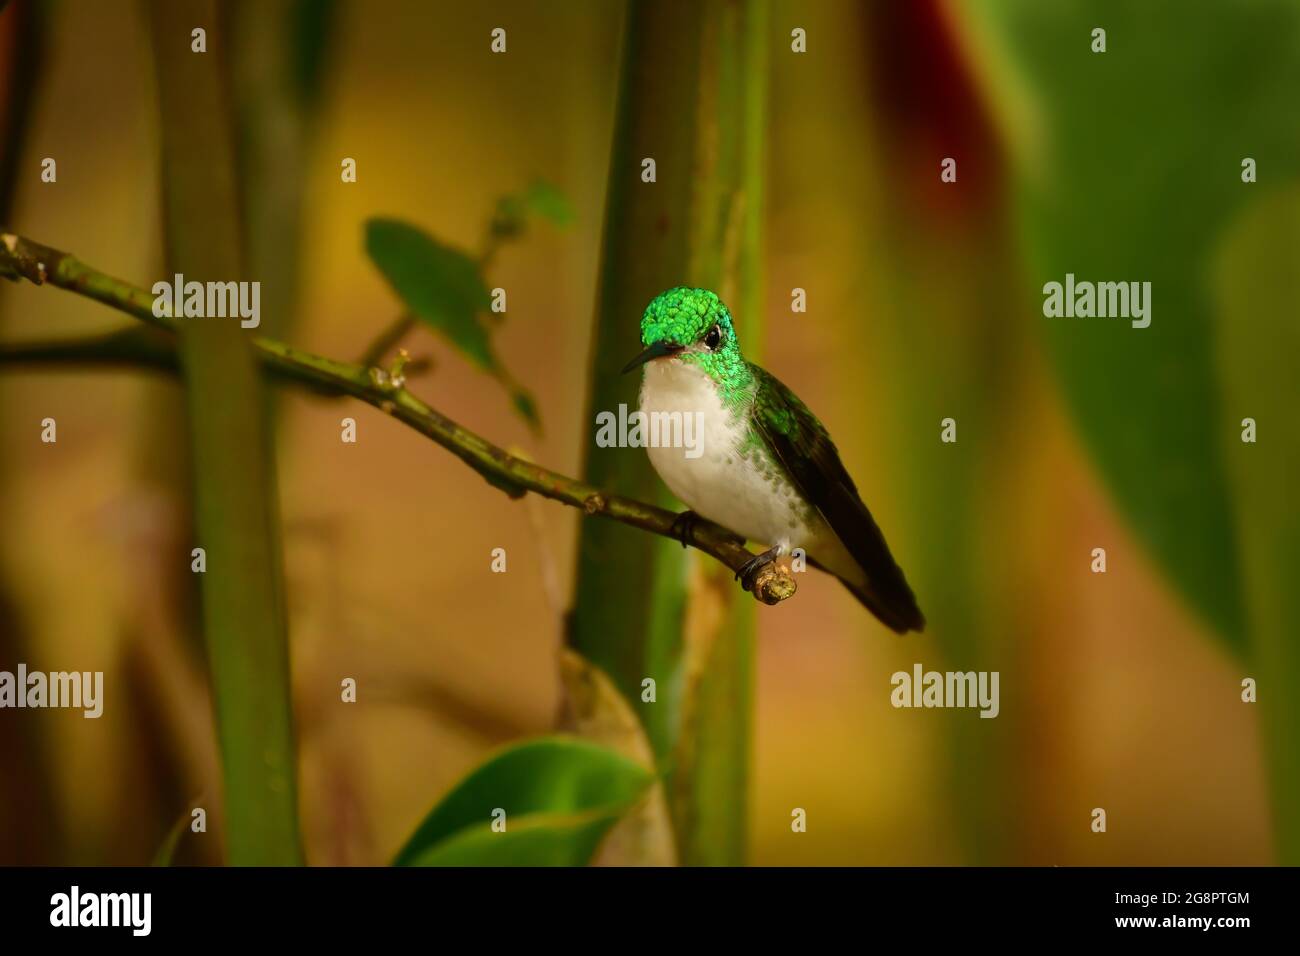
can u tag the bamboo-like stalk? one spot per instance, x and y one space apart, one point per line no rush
277 99
710 772
236 520
697 224
630 593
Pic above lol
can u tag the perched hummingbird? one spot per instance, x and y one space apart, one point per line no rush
765 468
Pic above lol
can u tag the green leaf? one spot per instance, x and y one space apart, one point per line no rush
525 406
560 795
442 286
1258 279
540 200
547 202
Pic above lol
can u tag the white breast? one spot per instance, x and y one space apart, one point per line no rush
723 484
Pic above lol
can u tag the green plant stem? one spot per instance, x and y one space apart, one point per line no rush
232 461
709 779
630 597
388 339
125 349
22 258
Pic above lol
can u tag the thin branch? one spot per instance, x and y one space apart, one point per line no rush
388 339
23 259
129 349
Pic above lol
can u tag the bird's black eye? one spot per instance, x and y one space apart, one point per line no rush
713 338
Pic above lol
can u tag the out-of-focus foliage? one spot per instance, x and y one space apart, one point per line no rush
1129 166
444 288
1258 343
441 285
1130 169
540 200
560 795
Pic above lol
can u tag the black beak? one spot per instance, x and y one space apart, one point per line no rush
654 351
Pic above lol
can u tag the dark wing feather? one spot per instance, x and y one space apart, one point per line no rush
806 452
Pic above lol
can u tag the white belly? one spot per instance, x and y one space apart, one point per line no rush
728 482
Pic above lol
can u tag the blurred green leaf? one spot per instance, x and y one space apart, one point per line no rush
540 200
444 288
547 202
1258 280
560 796
1129 164
441 285
525 405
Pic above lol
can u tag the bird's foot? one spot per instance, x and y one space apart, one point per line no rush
683 527
750 570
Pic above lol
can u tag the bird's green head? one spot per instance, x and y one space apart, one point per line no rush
691 325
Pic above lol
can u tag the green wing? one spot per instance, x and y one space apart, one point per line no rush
805 450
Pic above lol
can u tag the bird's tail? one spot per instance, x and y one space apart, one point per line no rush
899 611
899 616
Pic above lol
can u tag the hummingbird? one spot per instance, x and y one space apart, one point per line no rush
765 468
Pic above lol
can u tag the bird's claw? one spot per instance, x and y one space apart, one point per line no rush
683 527
748 572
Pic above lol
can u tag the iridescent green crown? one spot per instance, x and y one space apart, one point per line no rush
682 316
